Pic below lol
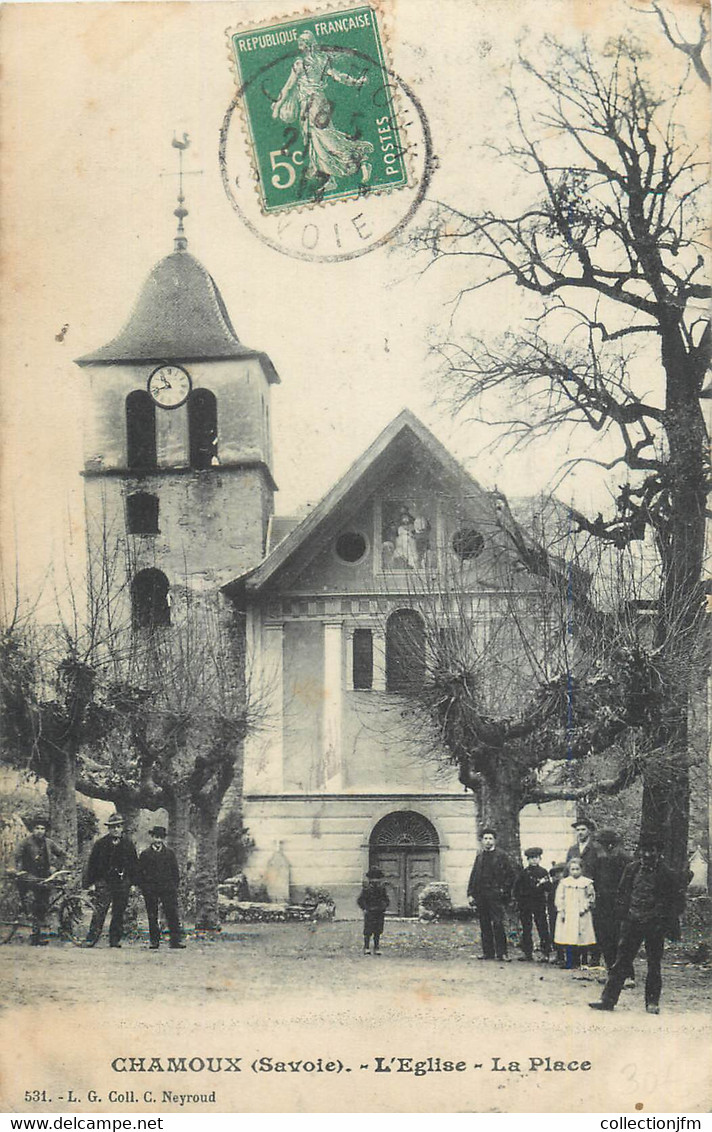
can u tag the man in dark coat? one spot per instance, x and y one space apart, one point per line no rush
37 858
611 863
530 892
111 870
489 890
585 847
159 879
651 896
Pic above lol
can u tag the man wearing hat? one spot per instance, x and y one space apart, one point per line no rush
36 859
159 879
587 851
530 892
651 896
111 870
489 890
584 847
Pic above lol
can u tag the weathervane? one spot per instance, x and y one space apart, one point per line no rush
181 240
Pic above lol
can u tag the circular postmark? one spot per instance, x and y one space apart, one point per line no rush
279 171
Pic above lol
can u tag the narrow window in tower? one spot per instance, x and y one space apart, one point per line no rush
363 659
142 514
405 651
203 428
140 430
150 600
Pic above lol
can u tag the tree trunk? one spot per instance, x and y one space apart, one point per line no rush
62 800
205 825
178 807
500 802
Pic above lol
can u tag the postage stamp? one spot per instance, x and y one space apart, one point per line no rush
318 107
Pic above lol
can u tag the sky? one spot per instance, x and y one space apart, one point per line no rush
93 94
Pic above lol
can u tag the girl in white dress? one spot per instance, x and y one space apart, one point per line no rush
575 898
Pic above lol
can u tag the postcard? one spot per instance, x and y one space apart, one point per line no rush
354 671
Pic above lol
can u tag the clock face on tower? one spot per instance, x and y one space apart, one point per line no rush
169 386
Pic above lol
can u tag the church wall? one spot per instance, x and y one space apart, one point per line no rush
325 840
302 705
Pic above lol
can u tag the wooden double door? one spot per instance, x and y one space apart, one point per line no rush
407 870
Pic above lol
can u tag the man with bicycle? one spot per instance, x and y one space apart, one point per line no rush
37 859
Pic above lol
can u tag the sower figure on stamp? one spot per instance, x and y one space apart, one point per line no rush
489 890
373 901
159 879
530 891
651 898
330 152
112 869
37 858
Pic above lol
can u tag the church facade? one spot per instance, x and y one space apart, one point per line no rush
340 606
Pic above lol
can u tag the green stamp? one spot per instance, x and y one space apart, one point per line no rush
318 104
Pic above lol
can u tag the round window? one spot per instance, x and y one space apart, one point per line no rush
468 543
351 546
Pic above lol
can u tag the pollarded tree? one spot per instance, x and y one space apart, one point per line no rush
539 680
608 241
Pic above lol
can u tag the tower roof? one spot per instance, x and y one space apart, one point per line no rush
179 316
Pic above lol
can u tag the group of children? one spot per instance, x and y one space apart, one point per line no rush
560 906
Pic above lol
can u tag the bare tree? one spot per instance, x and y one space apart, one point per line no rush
610 243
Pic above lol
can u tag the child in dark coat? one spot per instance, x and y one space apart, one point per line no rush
530 891
373 901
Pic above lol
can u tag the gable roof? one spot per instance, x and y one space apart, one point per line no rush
180 315
404 432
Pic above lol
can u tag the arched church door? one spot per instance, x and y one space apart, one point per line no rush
405 846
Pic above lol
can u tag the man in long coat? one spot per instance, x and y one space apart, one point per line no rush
611 863
159 879
111 870
489 891
36 858
651 897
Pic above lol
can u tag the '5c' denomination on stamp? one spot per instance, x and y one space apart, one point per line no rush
325 152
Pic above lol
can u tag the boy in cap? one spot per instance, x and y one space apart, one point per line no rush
530 892
373 901
37 858
159 879
111 870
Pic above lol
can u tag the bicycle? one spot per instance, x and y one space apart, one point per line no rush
71 907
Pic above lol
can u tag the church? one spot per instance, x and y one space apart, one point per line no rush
179 461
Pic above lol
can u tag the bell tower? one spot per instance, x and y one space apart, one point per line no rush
177 450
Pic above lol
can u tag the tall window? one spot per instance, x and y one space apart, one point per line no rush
150 601
142 514
140 430
405 651
363 659
203 428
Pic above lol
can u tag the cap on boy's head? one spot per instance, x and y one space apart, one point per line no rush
374 874
535 851
607 837
590 825
158 831
489 829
